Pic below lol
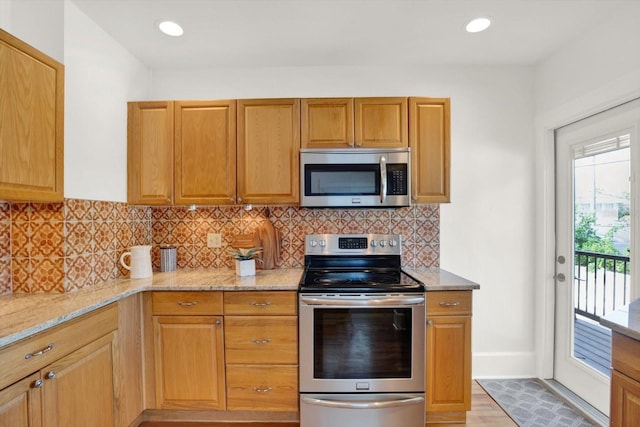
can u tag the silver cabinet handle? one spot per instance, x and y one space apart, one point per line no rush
187 303
51 375
260 304
449 304
38 383
364 404
429 322
232 200
39 352
218 322
239 199
261 342
351 143
262 389
383 179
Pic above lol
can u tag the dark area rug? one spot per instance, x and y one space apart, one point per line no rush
531 404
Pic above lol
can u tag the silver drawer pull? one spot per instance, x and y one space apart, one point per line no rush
261 342
38 383
39 352
449 304
262 389
187 303
260 304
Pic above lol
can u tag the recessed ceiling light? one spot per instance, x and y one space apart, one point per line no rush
171 28
477 25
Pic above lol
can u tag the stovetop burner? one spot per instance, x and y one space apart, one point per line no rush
355 263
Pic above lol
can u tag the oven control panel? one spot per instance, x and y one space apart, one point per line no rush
350 244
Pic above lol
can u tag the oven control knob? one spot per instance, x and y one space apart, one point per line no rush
313 243
392 243
323 243
383 243
374 243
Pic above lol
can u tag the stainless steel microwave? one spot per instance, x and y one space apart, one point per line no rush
359 177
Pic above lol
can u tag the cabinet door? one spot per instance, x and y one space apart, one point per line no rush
79 389
268 151
189 362
327 123
20 403
150 153
381 122
448 363
625 400
430 149
31 123
205 152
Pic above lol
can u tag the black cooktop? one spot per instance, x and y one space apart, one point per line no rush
358 280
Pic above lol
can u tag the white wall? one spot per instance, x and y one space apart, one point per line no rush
101 76
487 230
597 71
37 22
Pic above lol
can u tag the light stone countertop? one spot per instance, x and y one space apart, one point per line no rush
625 321
23 315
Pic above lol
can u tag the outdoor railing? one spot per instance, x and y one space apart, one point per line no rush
602 283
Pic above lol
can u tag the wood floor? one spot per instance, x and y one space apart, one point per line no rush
485 412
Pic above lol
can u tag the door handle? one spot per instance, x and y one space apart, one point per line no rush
560 277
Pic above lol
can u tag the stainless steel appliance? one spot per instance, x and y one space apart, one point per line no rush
360 177
361 334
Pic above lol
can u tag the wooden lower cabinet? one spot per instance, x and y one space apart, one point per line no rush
448 350
625 381
261 348
75 384
189 362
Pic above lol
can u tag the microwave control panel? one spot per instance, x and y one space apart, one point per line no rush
397 179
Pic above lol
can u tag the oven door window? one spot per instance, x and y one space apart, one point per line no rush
362 343
342 180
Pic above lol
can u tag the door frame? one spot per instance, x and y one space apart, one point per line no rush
606 97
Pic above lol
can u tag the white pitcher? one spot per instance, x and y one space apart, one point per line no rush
140 262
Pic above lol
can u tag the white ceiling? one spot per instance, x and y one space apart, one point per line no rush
281 33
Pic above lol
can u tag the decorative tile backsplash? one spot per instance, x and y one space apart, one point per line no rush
62 247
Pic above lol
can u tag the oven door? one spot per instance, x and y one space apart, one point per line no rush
362 177
362 343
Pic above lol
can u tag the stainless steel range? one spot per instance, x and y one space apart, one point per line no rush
362 334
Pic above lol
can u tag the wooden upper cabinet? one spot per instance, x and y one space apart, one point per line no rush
381 122
268 151
429 139
150 156
205 152
354 122
31 123
327 123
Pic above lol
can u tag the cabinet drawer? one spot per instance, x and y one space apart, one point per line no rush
262 388
448 303
624 355
261 339
187 303
260 303
34 353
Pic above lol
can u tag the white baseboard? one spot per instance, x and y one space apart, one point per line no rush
504 365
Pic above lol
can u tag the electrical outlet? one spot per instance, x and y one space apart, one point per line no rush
214 240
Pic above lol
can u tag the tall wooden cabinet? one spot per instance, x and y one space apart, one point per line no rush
354 122
150 153
448 373
268 151
32 123
189 350
205 152
429 139
64 376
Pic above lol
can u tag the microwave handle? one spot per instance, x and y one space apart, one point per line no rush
383 179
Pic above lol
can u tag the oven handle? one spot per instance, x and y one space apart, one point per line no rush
371 301
371 404
383 179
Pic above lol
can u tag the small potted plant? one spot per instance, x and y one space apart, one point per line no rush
245 260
